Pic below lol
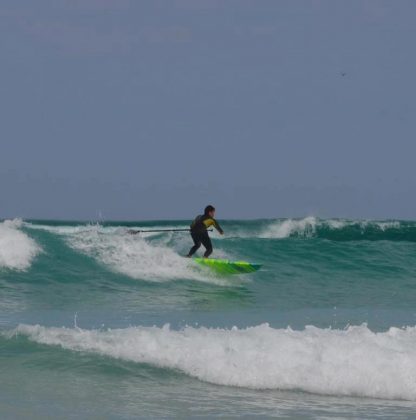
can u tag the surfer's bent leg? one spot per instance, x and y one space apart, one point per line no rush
197 244
206 241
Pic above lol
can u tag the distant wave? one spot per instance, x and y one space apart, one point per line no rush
302 228
17 250
340 229
350 362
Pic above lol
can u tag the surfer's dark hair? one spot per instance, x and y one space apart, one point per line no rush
209 209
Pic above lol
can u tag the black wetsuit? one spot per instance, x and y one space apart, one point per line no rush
200 235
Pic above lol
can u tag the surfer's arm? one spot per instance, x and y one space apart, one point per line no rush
212 222
218 227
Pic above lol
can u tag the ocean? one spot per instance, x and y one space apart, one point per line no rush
98 323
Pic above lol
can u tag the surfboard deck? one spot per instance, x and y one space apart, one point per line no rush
228 267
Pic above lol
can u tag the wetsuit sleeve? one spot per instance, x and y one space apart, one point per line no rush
212 222
217 226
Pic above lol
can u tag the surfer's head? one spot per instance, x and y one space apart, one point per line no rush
209 211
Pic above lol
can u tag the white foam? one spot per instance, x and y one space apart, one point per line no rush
365 224
133 255
70 229
146 256
388 225
285 228
336 223
17 250
350 362
308 226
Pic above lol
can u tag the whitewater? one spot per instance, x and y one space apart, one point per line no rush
95 322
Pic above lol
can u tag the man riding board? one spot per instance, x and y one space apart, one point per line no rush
199 231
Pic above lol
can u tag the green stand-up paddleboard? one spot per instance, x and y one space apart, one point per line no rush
228 267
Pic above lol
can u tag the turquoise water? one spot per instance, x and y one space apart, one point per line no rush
97 323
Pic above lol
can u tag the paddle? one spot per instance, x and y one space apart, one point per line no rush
134 232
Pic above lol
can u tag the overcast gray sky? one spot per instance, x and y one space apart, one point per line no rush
126 109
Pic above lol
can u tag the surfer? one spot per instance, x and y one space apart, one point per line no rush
199 232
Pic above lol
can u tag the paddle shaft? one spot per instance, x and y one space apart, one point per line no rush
134 232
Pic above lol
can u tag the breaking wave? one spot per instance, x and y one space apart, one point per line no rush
350 362
17 250
340 229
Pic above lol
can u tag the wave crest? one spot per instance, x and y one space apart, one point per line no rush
340 229
150 256
17 250
350 362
